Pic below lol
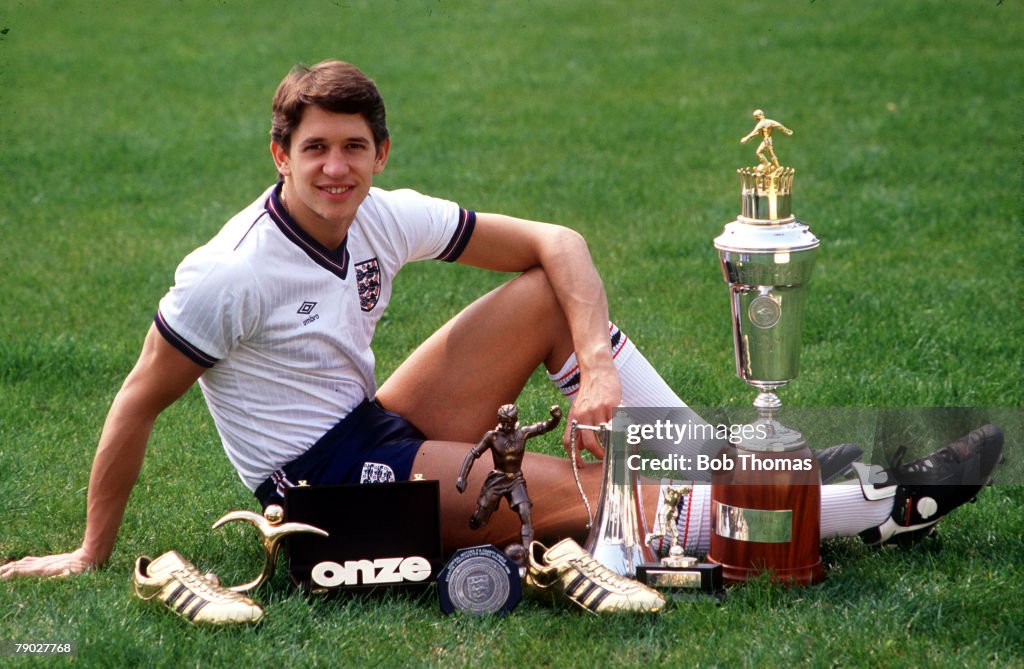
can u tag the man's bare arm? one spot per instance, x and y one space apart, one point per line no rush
161 375
509 244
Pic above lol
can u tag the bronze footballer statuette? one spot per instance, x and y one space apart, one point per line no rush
507 443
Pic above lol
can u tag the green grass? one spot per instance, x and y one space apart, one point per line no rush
130 134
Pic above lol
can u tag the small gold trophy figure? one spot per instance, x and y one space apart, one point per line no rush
764 128
677 572
668 517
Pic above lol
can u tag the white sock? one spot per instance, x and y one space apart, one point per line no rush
647 394
642 386
844 513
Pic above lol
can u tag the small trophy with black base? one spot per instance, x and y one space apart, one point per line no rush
678 573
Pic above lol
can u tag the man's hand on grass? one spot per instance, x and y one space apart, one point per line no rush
64 564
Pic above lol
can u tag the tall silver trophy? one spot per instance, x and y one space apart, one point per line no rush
766 517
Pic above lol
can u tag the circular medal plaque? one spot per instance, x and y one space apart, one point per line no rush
479 580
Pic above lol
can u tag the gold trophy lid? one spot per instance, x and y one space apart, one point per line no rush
766 223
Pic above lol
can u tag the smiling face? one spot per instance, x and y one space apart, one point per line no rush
328 170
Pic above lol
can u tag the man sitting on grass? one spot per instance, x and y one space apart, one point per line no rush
275 316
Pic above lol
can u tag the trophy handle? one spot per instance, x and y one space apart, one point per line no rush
573 455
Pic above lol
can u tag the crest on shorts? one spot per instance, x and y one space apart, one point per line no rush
368 282
376 472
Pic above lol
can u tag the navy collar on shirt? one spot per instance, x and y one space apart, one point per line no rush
336 261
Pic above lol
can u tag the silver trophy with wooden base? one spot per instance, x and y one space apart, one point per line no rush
765 513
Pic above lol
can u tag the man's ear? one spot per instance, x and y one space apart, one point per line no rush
383 150
280 159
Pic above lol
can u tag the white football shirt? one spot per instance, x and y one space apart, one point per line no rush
284 325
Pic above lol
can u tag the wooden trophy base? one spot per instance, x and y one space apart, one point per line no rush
766 516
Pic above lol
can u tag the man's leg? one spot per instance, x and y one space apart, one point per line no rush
902 502
453 384
451 387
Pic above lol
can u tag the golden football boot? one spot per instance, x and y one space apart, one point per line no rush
174 581
572 573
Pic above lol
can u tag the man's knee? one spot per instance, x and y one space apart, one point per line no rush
533 301
534 285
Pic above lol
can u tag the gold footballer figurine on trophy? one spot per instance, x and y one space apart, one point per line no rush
764 127
668 516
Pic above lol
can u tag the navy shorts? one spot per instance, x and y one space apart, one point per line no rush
370 445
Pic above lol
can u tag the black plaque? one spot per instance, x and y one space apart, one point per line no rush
479 580
380 535
699 577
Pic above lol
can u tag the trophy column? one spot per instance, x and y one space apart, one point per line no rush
766 508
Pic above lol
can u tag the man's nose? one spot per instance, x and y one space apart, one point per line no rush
336 164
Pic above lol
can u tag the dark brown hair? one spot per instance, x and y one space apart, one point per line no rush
333 85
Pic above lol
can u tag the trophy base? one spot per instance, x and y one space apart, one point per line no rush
804 575
697 578
765 517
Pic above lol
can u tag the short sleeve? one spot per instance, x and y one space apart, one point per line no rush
420 227
210 308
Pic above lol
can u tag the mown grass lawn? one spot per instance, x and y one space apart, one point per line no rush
132 131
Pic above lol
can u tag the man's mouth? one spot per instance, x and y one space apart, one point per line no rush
336 190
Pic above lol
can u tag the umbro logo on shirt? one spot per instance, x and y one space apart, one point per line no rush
307 308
